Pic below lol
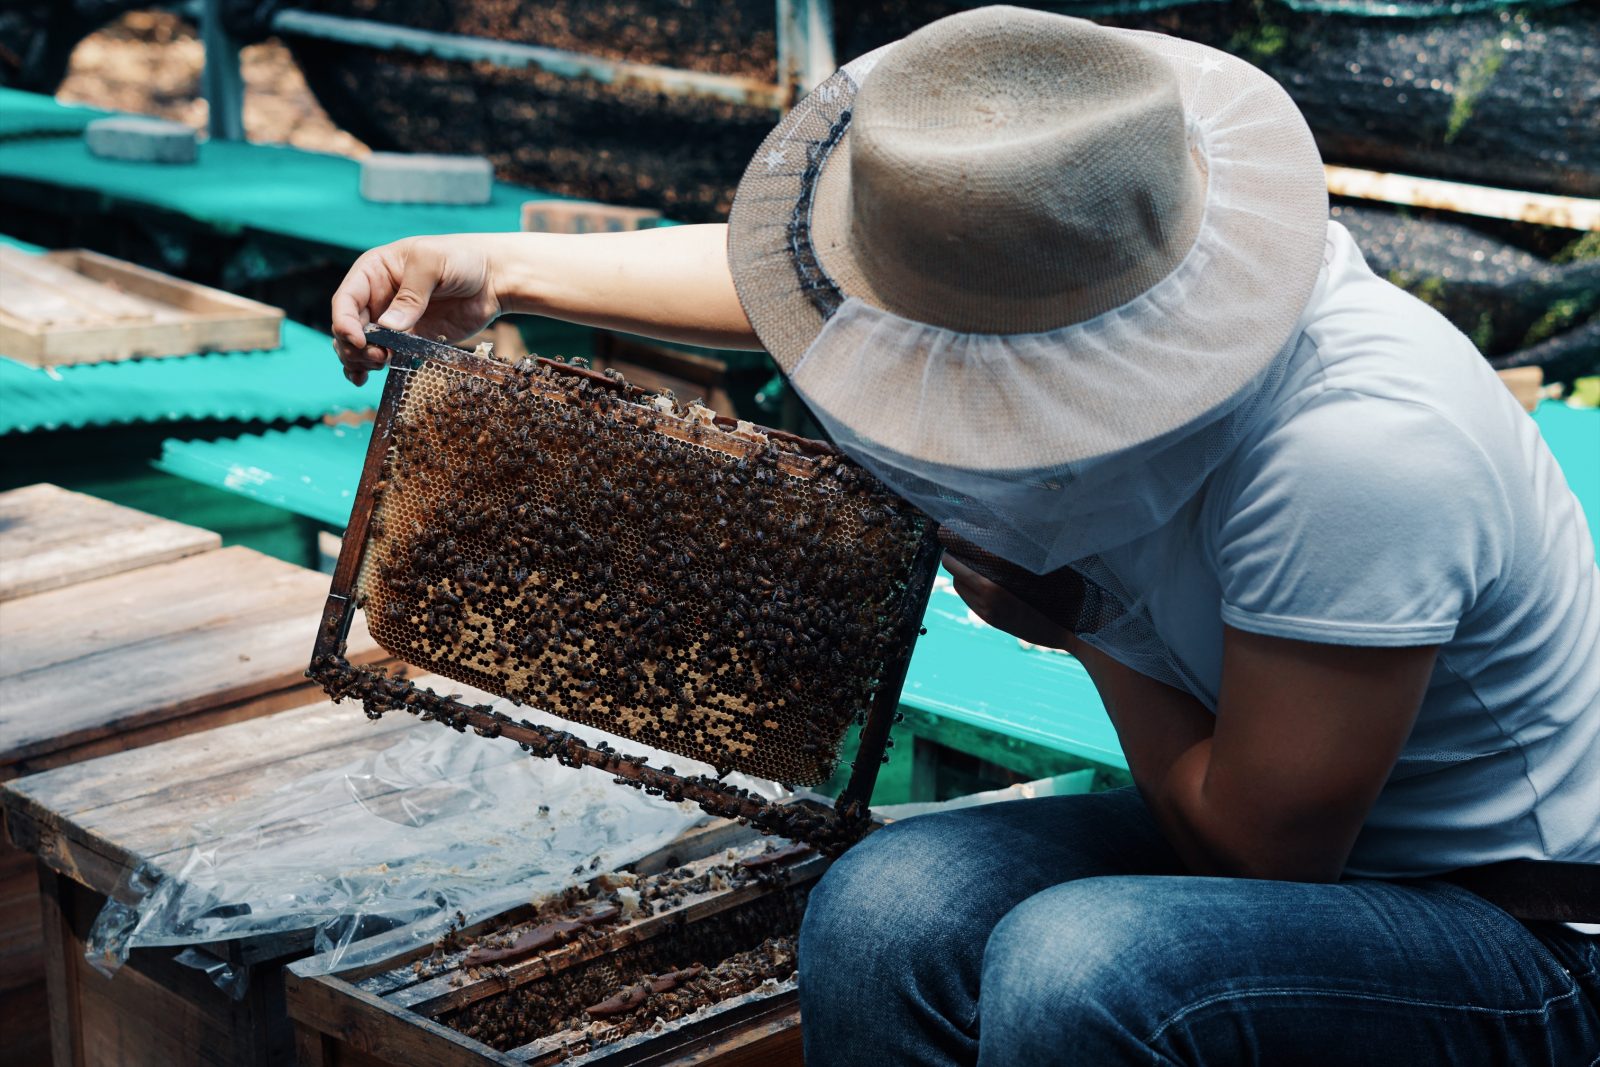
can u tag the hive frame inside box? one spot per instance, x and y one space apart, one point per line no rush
829 830
385 1013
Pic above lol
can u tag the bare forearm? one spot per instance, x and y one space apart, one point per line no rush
672 283
1219 818
1166 737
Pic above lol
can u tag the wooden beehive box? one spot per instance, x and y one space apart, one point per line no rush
81 307
445 1005
119 629
89 822
51 537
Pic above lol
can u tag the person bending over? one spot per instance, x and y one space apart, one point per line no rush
1075 293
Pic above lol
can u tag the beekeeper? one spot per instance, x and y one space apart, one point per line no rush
1074 292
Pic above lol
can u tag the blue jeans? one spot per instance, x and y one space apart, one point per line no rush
1062 930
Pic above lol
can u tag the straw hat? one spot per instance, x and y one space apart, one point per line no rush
972 246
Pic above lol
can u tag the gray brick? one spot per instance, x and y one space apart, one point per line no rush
403 178
141 139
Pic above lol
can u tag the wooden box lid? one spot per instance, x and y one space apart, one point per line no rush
121 661
91 819
51 537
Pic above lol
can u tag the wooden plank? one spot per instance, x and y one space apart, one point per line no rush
35 305
152 286
773 1043
140 647
22 988
96 848
166 729
82 299
1543 209
153 828
92 819
51 537
24 1024
79 307
1526 384
371 1026
312 1049
126 778
154 1010
51 848
60 968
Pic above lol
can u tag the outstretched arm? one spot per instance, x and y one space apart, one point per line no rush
672 283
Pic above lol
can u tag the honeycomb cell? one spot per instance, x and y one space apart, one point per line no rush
614 559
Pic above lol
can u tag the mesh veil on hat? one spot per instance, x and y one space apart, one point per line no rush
1034 272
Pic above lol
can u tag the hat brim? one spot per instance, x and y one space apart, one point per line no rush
791 255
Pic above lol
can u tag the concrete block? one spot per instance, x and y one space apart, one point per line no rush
404 178
140 139
585 216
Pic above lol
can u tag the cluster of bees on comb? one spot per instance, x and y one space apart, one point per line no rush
551 535
618 986
639 1003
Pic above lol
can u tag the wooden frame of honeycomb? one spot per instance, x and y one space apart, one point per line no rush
720 591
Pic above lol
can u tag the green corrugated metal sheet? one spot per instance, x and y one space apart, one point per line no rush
15 243
309 470
1573 435
275 189
34 115
299 380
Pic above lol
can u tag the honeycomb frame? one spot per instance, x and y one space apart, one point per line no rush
738 595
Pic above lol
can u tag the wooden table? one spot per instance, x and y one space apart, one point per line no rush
51 537
140 656
119 629
88 821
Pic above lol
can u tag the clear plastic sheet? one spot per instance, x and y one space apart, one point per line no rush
399 841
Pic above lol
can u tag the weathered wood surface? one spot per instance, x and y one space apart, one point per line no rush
77 306
51 537
90 819
86 821
24 1035
154 1011
112 663
135 656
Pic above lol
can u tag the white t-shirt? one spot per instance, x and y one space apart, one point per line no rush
1394 494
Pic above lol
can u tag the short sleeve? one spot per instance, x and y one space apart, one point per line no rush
1359 520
